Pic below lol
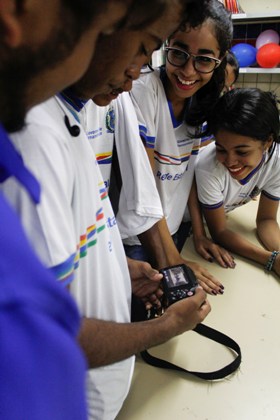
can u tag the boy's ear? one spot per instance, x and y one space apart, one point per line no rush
10 23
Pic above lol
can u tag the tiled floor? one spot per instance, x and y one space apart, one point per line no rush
249 312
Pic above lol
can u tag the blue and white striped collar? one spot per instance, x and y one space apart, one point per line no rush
72 102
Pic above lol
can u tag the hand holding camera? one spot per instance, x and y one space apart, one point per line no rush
186 314
179 282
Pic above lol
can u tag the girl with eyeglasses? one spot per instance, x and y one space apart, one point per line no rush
172 103
243 163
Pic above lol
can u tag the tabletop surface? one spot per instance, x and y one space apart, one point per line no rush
249 313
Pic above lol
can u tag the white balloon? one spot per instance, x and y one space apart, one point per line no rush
267 37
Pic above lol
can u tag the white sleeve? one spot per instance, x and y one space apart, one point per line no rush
209 181
144 97
139 204
48 224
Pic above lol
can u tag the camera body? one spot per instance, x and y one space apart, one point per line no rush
179 282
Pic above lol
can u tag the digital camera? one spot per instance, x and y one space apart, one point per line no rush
178 282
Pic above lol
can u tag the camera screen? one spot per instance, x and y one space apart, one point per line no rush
175 277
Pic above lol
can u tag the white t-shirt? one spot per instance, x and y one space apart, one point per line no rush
216 187
99 124
139 205
175 150
74 231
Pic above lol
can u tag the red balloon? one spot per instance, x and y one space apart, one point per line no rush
268 56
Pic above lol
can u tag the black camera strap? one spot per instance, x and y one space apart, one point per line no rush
212 334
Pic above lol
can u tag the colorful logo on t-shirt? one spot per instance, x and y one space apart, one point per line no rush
110 120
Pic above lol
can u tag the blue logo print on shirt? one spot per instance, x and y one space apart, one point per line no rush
169 177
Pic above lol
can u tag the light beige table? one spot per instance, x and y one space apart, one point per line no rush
249 312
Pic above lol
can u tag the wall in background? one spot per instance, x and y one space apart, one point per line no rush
248 32
259 6
265 82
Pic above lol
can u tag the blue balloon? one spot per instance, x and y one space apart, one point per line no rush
245 54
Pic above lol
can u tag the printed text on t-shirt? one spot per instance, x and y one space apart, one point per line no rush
168 176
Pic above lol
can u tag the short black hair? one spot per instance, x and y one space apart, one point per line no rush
249 112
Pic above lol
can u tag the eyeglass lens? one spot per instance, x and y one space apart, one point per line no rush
202 64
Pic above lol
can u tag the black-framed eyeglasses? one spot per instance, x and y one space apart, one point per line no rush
201 63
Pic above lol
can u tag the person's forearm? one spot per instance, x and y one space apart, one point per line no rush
198 229
160 245
173 256
108 342
269 234
152 242
239 245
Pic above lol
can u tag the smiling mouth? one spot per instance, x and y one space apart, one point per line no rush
186 82
235 171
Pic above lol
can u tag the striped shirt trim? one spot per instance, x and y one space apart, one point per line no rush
142 130
175 160
212 206
148 140
271 197
207 138
64 272
104 158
